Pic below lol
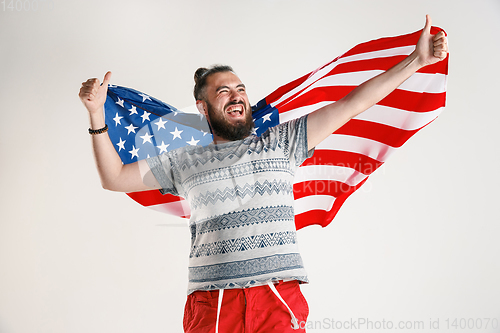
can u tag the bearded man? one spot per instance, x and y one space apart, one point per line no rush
244 265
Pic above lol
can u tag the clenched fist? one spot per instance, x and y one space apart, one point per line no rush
93 94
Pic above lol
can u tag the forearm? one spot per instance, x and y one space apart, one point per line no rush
114 175
372 91
329 118
429 50
108 162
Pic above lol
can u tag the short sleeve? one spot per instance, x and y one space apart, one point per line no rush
293 138
161 167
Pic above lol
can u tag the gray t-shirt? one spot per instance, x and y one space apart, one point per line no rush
241 198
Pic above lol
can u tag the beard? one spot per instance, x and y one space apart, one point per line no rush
223 128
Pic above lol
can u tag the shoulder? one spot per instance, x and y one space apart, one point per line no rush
286 129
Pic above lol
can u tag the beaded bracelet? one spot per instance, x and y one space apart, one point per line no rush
98 131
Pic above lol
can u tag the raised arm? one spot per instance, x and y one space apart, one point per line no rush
323 122
114 175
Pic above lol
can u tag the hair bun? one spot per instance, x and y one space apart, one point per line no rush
199 73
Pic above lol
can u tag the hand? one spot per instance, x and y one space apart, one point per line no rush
431 48
93 95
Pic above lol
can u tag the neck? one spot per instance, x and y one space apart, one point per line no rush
219 140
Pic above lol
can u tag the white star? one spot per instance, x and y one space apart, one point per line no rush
267 117
163 147
144 97
131 128
175 113
134 152
146 137
176 134
121 144
254 131
117 119
133 110
160 123
145 116
120 102
204 133
193 142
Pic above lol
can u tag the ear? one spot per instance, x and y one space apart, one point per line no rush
202 108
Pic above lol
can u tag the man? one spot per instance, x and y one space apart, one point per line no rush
244 267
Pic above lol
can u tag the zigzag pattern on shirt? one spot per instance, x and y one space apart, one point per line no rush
283 137
229 150
251 283
279 187
242 218
238 170
243 244
245 268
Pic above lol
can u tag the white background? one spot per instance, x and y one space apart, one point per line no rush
419 242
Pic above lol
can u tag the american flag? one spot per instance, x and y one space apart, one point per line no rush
142 126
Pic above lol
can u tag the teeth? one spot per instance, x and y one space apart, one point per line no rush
236 109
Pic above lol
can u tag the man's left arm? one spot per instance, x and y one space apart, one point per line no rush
323 122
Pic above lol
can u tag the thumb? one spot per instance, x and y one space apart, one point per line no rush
106 80
428 24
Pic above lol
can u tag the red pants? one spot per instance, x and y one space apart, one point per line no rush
249 310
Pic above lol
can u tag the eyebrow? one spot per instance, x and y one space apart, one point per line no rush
226 87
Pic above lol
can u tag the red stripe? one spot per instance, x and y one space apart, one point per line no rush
357 66
366 65
311 217
379 63
153 197
388 135
400 99
321 217
359 162
389 42
275 95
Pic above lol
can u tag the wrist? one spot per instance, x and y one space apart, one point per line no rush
96 119
415 62
98 131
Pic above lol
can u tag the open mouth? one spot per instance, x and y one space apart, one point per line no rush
235 110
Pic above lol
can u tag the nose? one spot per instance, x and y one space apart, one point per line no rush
236 96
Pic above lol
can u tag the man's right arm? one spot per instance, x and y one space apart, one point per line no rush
114 175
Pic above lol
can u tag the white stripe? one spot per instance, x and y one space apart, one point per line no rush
219 306
312 202
425 83
405 120
418 82
190 109
373 149
178 208
299 112
345 175
395 51
405 50
402 119
295 324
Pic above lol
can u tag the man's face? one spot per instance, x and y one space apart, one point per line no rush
229 111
